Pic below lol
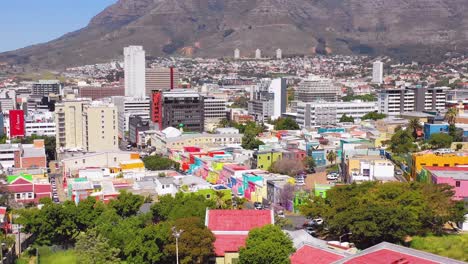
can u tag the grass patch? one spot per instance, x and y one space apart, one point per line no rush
46 255
332 168
451 246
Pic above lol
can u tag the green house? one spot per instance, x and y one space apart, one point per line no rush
321 189
300 198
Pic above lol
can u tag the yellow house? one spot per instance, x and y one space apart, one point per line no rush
132 165
228 258
430 158
264 159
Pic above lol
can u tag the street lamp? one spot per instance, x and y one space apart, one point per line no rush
349 233
176 234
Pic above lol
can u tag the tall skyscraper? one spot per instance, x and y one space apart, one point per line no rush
258 54
377 72
236 54
279 54
135 66
162 79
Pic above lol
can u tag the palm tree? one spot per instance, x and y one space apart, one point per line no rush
413 126
451 116
331 156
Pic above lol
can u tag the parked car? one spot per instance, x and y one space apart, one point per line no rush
311 231
258 206
332 177
281 214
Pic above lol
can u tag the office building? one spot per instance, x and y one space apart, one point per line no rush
178 108
329 113
279 54
409 99
268 99
215 110
7 104
24 156
315 88
136 125
100 127
46 87
135 65
128 106
37 123
69 121
236 54
258 54
96 93
377 72
161 79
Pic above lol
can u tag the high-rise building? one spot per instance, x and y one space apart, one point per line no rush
128 106
258 54
215 110
329 113
69 120
279 54
135 65
236 54
315 88
268 99
161 79
46 87
100 127
178 108
409 99
377 72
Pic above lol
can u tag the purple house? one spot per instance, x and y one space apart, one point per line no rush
457 177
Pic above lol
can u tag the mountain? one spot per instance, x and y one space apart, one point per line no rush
422 29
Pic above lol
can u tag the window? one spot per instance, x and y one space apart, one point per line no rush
18 196
435 165
30 195
446 165
457 184
115 159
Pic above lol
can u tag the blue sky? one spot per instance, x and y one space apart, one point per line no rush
27 22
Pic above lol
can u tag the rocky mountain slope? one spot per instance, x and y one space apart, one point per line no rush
405 28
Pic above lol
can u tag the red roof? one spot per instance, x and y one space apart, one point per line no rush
42 188
308 254
20 188
386 256
228 243
238 220
432 168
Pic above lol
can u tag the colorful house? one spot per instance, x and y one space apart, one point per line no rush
24 189
433 159
231 228
431 129
321 189
457 177
264 159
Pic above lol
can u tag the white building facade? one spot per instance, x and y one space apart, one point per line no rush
377 72
135 70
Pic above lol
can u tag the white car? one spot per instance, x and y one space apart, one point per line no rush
332 177
300 181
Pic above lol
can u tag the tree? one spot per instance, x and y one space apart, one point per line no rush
346 119
413 126
374 212
195 242
331 156
266 245
456 133
440 140
155 163
402 142
373 116
250 141
451 116
148 244
309 163
127 204
93 248
286 123
181 206
288 167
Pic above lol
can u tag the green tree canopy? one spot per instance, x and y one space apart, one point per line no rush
374 212
93 248
402 142
286 123
440 140
266 245
181 206
344 118
127 204
309 163
373 116
155 163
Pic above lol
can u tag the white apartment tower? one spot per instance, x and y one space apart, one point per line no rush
135 66
236 54
279 54
258 54
377 72
100 127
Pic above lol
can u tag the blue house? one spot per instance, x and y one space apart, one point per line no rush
430 129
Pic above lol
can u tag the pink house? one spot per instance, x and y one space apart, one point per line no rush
457 177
